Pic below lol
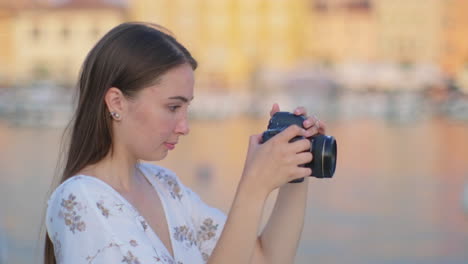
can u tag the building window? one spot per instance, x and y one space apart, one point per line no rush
320 5
65 33
35 33
358 5
95 32
40 71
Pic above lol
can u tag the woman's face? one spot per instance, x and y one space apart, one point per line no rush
157 117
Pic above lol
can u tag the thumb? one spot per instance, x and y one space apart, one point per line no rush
255 140
275 108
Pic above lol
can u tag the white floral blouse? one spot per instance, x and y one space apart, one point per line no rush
90 222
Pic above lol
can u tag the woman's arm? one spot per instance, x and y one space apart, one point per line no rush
280 238
268 166
239 237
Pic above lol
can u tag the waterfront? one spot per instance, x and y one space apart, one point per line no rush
396 196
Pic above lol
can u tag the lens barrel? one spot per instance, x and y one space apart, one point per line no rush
324 152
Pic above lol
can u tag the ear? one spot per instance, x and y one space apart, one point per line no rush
115 100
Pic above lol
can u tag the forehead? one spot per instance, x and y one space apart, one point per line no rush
178 81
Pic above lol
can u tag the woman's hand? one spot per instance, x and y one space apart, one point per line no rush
275 162
312 124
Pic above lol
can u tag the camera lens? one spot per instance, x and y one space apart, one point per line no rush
324 150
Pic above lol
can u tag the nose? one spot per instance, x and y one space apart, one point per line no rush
183 126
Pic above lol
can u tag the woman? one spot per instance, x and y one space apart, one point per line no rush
134 90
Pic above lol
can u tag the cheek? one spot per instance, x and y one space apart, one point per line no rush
151 125
164 126
140 118
140 125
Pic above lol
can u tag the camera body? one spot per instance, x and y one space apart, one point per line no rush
323 147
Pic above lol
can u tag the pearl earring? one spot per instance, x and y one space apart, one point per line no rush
115 115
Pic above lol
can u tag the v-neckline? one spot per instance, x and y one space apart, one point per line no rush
135 210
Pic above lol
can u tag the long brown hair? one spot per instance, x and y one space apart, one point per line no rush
130 57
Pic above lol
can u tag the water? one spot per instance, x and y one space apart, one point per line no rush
396 196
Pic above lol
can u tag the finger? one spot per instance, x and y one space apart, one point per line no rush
310 121
318 127
312 131
301 172
275 108
300 111
255 139
300 145
290 132
323 127
303 158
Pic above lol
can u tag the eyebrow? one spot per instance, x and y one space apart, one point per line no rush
184 99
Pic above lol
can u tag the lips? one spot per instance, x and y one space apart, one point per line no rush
170 145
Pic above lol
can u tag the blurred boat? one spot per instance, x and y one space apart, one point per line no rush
465 199
457 108
3 246
41 104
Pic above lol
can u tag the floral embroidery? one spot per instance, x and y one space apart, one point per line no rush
90 259
205 256
171 183
57 247
70 216
119 206
207 230
104 211
144 224
166 259
130 258
184 234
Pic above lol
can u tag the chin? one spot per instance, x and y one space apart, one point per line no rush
156 156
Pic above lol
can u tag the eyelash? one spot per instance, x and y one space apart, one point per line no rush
173 108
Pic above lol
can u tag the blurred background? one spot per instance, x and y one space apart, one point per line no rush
389 77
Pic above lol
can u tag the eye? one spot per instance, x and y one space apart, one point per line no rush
174 108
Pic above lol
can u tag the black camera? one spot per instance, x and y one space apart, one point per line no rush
323 148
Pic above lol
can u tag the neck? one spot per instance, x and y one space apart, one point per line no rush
118 170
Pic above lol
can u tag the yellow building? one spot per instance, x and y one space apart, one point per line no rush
6 43
455 24
6 47
409 31
394 31
232 38
52 40
455 46
342 31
